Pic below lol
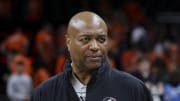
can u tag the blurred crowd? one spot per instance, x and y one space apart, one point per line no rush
32 46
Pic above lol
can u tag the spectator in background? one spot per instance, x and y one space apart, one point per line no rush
143 69
17 43
25 60
45 49
172 89
19 84
155 83
139 37
149 77
170 69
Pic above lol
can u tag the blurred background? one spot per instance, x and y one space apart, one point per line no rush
144 40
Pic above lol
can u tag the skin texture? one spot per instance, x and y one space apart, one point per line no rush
87 41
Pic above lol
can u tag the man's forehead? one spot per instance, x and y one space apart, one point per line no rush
92 32
86 20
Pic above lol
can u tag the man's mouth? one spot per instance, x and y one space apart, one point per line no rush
94 57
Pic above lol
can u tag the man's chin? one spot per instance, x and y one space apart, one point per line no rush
94 65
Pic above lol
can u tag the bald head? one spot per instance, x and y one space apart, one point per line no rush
87 41
85 20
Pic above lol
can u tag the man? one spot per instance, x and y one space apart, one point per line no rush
87 75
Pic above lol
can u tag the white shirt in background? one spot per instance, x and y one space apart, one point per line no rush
19 87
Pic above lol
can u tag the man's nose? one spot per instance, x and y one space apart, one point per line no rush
94 45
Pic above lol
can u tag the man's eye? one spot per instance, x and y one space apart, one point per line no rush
101 40
85 39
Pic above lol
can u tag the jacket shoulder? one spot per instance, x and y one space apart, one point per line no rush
125 78
51 81
48 87
131 84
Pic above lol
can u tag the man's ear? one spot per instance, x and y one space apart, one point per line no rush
68 41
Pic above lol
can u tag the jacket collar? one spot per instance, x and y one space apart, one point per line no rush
100 72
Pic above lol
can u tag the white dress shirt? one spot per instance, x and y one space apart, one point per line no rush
79 88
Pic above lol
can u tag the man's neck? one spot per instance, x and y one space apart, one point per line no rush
82 75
